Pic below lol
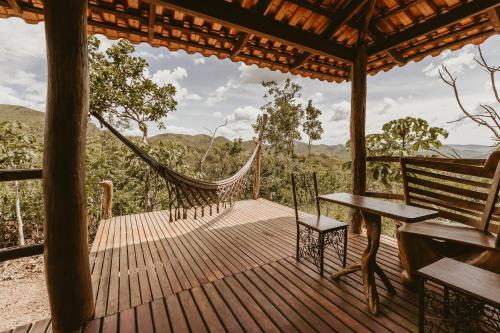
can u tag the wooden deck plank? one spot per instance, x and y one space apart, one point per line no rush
234 271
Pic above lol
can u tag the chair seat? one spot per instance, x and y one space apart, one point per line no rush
451 232
321 223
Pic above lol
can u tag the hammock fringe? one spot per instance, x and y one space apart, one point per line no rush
185 192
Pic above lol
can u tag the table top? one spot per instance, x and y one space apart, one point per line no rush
397 211
473 281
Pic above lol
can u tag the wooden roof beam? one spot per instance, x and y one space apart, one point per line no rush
343 16
240 44
261 8
454 15
494 14
300 60
151 23
379 38
248 21
15 6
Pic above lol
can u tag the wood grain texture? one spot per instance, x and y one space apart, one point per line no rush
236 271
276 34
65 224
396 211
357 131
470 280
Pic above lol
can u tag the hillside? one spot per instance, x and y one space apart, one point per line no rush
20 113
201 141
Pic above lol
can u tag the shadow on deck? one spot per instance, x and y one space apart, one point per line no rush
233 272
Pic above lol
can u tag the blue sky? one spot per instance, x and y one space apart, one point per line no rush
212 90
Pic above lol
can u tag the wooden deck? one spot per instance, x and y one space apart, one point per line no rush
231 272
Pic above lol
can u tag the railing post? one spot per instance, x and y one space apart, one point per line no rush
256 184
107 199
66 252
357 129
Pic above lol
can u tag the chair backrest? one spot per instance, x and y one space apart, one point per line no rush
460 191
305 192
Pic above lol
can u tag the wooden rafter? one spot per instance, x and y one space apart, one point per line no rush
398 9
343 16
151 23
494 15
15 6
454 15
378 37
233 15
300 60
407 37
244 37
240 44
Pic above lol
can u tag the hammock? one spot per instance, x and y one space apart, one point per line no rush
186 192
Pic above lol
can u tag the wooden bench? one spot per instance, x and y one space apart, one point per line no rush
467 298
466 197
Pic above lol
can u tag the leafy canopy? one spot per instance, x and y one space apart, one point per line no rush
284 116
121 89
312 125
17 145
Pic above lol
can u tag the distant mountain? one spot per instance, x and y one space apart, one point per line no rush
201 141
20 113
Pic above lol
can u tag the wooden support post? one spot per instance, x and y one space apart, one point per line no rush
256 184
358 119
66 251
107 199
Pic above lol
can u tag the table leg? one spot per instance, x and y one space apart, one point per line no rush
368 264
368 260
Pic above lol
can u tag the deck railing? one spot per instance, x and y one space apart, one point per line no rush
396 159
22 251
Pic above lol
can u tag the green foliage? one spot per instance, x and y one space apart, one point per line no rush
312 126
401 137
121 89
284 116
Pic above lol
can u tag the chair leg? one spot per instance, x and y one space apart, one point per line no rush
344 259
321 252
297 245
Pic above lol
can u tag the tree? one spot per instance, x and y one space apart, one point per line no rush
17 150
212 133
312 126
121 90
284 116
401 137
486 116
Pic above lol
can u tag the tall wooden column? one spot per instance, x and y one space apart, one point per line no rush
358 119
65 228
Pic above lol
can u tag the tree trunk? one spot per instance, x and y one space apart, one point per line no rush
20 231
147 177
358 119
309 147
66 250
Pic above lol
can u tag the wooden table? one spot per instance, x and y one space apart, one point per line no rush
372 210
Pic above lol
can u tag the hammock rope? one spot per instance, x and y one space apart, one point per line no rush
186 192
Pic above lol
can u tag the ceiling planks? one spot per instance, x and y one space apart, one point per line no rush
453 16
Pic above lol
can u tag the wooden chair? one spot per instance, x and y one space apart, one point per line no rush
466 197
315 232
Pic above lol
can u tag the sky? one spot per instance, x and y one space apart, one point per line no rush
211 91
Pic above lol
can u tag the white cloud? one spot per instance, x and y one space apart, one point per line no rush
174 77
180 130
341 111
244 114
199 61
386 104
145 54
220 93
255 75
217 114
456 64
